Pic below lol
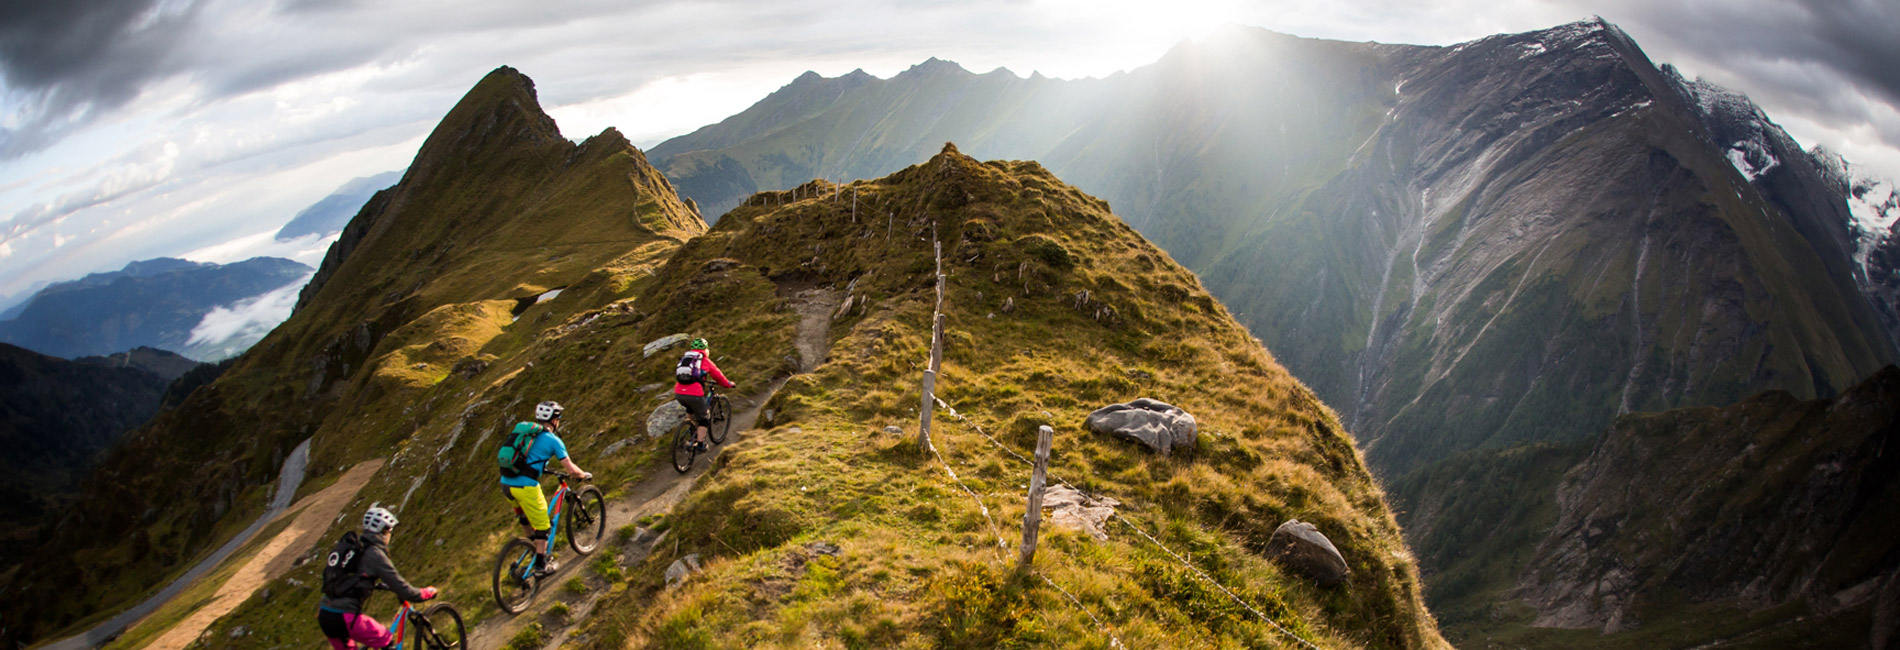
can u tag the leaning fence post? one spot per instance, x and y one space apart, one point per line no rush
1032 520
936 359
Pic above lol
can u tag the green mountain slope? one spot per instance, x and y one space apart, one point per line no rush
1055 306
1768 523
497 209
1508 240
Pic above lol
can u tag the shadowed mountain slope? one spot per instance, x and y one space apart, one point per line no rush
1508 240
151 303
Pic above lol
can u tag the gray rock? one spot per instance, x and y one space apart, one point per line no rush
1075 510
1160 426
616 447
664 417
824 548
649 388
682 569
240 631
663 343
894 430
1299 546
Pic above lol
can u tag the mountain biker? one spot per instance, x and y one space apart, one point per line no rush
356 565
696 366
524 492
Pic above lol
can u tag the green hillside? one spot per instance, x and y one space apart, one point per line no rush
497 209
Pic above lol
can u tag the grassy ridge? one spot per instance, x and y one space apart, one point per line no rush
917 566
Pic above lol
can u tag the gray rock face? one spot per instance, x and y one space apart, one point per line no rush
1075 510
1159 425
1299 546
664 417
682 569
663 343
616 447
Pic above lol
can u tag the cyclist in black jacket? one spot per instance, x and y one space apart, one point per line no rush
355 568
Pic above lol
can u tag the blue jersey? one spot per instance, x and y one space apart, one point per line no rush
546 447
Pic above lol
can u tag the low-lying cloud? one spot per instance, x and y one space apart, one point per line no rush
230 330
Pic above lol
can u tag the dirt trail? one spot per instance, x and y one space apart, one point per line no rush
313 516
662 491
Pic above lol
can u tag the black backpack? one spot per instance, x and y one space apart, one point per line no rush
513 457
341 579
689 370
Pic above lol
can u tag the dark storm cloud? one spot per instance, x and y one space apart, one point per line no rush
1834 59
67 61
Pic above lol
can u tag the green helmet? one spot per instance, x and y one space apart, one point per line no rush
697 344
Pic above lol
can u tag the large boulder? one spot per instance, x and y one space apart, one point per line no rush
664 418
1299 546
1159 425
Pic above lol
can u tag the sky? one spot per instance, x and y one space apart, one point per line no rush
132 129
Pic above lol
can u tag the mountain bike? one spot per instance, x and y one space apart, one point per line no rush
437 628
719 414
517 574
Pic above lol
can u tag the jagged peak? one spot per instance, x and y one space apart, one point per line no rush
500 111
934 65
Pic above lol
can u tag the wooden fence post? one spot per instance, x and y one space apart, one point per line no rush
1032 520
936 360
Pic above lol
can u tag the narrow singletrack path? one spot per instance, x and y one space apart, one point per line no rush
661 491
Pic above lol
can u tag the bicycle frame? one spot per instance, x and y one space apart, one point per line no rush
401 626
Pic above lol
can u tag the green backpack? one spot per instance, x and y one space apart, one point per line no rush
513 458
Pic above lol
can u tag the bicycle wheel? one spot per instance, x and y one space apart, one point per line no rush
514 576
441 629
721 419
683 451
586 519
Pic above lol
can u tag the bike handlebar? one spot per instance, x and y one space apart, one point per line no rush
565 476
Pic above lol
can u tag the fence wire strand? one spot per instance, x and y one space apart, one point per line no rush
1131 526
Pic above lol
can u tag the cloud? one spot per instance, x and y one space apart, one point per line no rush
231 329
68 62
1827 61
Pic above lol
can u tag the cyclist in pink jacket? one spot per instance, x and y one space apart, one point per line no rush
695 368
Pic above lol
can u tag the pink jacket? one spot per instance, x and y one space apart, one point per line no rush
712 370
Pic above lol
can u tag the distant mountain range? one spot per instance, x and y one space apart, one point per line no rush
328 215
1507 240
156 303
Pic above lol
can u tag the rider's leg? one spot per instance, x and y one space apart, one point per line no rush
366 631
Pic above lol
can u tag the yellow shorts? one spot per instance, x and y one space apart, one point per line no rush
530 504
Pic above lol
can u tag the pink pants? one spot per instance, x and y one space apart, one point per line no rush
361 628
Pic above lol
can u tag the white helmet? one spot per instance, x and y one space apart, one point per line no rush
547 410
378 519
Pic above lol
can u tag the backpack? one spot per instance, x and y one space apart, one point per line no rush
340 576
689 370
513 457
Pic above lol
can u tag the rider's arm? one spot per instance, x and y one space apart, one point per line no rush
575 469
378 565
713 370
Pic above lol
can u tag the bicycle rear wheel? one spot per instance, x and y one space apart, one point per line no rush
514 576
441 628
721 419
586 519
683 451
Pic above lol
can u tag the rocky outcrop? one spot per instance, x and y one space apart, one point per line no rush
1300 546
1156 424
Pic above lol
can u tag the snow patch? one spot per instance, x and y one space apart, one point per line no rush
1532 49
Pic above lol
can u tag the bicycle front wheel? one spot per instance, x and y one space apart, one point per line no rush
586 519
683 451
514 576
721 419
441 628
